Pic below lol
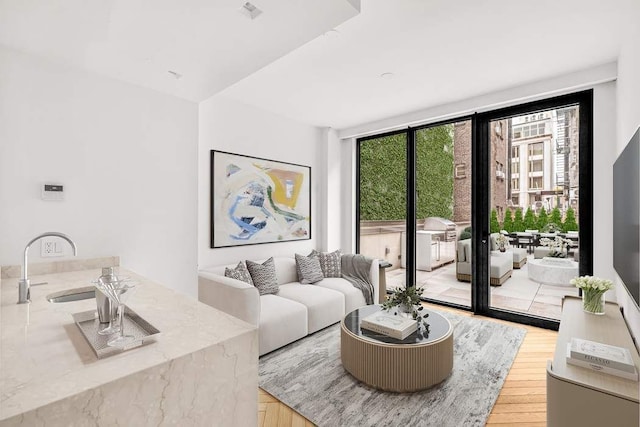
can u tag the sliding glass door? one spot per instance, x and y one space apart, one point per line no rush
472 210
382 202
536 215
443 212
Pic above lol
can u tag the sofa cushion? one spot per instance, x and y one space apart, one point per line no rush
240 272
281 321
353 297
324 306
309 270
331 263
264 276
285 270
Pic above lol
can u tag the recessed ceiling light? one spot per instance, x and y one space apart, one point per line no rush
332 33
177 76
387 76
250 10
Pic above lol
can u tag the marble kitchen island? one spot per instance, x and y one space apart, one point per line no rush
202 369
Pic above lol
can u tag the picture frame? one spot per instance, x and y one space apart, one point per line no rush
256 200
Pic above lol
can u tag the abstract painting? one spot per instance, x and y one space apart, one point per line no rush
257 200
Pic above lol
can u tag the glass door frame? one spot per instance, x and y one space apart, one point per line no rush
480 190
481 185
412 156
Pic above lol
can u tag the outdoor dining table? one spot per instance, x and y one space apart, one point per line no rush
523 240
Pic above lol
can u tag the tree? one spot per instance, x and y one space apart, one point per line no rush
529 220
543 219
556 216
518 222
508 221
494 225
570 223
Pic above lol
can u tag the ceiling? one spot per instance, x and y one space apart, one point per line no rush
209 43
439 51
286 61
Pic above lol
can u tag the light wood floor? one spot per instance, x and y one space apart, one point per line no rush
522 400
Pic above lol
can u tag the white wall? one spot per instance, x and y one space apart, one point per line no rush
541 89
332 205
126 156
228 125
628 106
604 130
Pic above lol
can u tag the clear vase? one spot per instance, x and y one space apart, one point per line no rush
405 310
593 301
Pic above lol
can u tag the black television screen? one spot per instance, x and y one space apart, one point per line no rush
626 217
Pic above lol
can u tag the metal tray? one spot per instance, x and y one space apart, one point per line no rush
88 323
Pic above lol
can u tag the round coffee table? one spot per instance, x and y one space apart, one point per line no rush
420 361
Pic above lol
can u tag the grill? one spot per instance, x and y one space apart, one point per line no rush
448 228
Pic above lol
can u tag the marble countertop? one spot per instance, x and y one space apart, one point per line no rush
44 357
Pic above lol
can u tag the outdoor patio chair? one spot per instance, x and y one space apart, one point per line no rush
519 255
500 268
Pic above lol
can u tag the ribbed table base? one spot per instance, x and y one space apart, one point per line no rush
396 367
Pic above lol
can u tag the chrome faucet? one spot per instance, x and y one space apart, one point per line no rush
24 294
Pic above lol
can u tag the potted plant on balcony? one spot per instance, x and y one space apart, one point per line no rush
558 246
502 241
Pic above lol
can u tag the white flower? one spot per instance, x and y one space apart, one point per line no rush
594 283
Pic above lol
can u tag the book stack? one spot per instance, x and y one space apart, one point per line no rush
389 324
603 358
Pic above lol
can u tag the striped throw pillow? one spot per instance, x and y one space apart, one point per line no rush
264 276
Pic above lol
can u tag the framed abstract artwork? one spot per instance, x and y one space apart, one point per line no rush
256 200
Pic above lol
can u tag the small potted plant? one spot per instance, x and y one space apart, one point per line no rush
558 246
593 289
501 240
407 300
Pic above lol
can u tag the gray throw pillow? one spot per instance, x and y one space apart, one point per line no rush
264 276
313 253
239 273
331 264
309 270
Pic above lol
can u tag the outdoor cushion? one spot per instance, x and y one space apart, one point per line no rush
464 249
500 265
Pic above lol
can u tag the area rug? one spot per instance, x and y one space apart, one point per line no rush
308 376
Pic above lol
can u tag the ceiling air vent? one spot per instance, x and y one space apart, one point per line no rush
249 10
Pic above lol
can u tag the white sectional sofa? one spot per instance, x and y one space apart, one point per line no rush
295 311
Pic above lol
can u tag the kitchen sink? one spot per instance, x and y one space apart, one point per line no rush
76 294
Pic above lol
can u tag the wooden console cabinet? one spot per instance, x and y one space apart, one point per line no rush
578 396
